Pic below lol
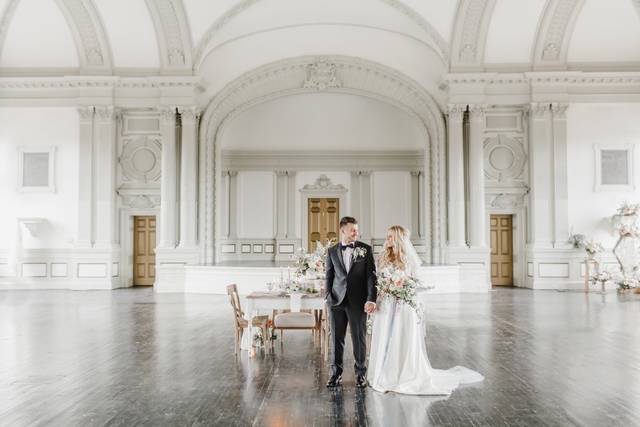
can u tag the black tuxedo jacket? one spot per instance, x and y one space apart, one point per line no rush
359 285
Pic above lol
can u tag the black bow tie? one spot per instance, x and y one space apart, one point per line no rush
350 245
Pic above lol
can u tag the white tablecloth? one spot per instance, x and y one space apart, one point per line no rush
266 302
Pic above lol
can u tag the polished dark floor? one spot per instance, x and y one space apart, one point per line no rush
130 357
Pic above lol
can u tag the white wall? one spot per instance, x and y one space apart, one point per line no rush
602 124
31 128
391 201
256 205
324 121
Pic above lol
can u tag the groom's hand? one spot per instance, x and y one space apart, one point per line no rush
370 307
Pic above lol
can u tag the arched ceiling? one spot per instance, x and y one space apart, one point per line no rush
221 39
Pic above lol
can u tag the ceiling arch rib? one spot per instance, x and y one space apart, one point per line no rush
439 44
89 35
470 34
5 20
173 34
636 4
554 33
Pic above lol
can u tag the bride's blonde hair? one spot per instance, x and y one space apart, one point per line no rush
394 253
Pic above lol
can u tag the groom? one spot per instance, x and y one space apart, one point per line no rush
351 294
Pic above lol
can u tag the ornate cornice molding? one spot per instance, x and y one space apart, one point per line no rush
470 33
5 20
554 33
359 77
89 35
435 39
292 161
172 30
81 82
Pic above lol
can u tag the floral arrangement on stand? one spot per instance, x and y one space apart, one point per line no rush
627 248
592 248
601 278
309 268
628 209
626 283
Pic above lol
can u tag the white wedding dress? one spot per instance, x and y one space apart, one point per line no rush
398 359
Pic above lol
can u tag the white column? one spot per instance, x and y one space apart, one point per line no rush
233 204
281 204
366 207
561 193
226 196
416 200
105 176
84 236
541 175
354 200
424 208
188 178
478 223
291 205
168 180
455 160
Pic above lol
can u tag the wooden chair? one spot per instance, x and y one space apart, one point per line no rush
241 323
325 332
285 319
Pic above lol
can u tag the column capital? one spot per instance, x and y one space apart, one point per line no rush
559 110
232 173
281 172
477 111
189 113
415 173
85 112
167 113
365 173
106 112
456 112
539 109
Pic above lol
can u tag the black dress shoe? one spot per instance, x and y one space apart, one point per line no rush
334 381
361 381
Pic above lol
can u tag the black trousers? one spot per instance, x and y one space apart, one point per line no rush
355 316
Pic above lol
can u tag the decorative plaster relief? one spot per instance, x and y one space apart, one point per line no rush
324 183
90 36
504 158
321 75
140 159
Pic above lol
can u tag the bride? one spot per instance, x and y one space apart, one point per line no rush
398 360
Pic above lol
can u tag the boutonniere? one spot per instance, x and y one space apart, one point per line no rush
359 252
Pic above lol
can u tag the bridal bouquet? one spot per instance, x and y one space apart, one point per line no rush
396 283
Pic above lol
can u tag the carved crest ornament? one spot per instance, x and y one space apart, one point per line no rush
321 75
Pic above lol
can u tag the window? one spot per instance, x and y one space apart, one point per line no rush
614 168
36 169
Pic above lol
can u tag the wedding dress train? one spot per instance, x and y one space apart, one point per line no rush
398 359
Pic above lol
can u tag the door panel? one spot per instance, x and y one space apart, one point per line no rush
324 218
501 250
144 250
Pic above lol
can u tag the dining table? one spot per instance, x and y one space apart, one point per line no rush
265 302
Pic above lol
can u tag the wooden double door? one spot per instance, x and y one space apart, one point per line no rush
144 250
502 250
324 220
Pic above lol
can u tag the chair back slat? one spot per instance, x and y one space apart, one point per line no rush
234 298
